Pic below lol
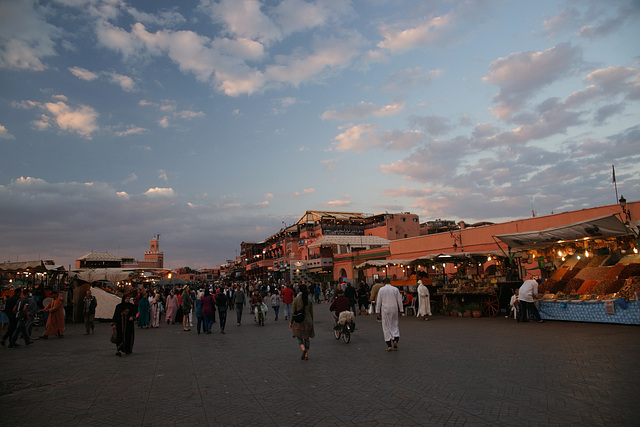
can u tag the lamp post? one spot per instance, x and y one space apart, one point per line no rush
627 213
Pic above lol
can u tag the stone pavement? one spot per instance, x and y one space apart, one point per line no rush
447 372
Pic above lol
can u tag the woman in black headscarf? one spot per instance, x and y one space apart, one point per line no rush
124 317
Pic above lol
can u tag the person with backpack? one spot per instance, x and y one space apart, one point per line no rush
302 328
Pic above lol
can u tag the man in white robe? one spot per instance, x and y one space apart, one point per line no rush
424 299
389 306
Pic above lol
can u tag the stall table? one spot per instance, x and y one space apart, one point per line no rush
600 311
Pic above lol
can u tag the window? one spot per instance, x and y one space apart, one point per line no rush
404 219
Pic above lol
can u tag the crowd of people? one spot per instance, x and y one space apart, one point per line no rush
201 305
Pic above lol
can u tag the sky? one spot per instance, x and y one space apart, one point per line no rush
213 122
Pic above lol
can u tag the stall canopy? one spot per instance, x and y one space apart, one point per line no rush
31 266
384 263
459 256
112 275
598 228
439 257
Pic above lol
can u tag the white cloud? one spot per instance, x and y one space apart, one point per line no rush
134 130
83 74
427 32
125 82
362 137
80 120
26 38
521 74
4 133
158 192
337 203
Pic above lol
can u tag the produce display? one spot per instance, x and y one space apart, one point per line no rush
593 282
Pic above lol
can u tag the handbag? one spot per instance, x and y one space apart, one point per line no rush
298 316
114 334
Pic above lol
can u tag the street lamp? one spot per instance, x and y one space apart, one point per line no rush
627 213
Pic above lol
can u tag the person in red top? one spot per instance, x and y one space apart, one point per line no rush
287 296
340 303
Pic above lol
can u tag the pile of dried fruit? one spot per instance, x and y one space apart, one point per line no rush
573 285
587 287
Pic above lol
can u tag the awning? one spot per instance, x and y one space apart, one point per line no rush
598 228
31 266
112 275
384 263
459 256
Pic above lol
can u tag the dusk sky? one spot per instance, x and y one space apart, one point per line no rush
213 122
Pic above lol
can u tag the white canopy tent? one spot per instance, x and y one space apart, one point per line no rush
106 303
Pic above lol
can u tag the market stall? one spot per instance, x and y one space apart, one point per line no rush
466 286
591 270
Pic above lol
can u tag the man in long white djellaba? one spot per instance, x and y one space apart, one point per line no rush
424 301
389 306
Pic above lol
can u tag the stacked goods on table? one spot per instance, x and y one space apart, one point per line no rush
555 285
586 274
587 279
632 285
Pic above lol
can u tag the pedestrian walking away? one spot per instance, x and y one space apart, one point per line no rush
389 307
303 331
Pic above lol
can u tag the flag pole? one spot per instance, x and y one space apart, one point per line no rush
613 170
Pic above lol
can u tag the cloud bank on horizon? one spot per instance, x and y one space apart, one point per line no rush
215 122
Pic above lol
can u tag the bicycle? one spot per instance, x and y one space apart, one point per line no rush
34 324
343 330
259 313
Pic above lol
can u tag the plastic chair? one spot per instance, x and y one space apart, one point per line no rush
411 307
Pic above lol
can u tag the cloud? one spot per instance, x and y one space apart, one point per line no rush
434 124
80 120
4 133
521 74
133 130
159 192
83 74
304 192
612 19
26 38
235 62
426 32
366 136
364 110
125 82
337 203
69 219
170 109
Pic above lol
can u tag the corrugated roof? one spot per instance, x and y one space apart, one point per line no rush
100 256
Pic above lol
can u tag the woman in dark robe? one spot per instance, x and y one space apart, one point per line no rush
124 317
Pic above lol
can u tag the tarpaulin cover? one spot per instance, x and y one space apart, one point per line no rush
112 275
598 228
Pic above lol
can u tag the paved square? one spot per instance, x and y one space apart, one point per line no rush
447 372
